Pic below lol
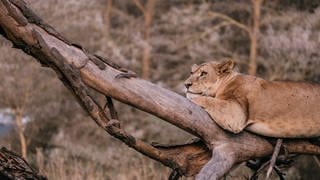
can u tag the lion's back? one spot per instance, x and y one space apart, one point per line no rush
285 109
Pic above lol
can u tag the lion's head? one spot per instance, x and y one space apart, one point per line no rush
204 78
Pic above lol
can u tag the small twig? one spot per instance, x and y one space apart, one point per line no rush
113 112
279 173
316 159
256 174
174 175
140 6
123 14
230 20
114 121
274 157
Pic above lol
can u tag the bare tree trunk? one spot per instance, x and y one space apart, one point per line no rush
254 33
147 11
80 71
20 131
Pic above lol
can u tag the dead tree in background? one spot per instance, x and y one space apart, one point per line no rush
17 95
20 130
18 101
254 33
147 12
81 71
252 30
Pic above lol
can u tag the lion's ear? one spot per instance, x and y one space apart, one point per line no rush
225 67
194 67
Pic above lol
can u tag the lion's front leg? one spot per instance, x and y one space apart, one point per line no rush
227 114
201 101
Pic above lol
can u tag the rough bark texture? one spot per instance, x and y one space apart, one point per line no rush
80 70
12 166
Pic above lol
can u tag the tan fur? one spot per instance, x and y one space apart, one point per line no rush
271 108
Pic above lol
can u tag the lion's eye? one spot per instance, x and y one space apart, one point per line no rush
203 73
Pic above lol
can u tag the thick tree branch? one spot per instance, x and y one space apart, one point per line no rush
80 70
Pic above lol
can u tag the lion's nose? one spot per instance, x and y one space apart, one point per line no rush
187 84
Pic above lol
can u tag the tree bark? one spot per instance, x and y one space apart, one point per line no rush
12 166
80 70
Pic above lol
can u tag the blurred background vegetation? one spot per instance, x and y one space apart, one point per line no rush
159 40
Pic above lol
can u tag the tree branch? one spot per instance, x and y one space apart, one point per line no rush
80 70
230 20
12 166
139 6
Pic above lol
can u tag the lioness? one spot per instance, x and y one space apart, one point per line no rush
271 108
